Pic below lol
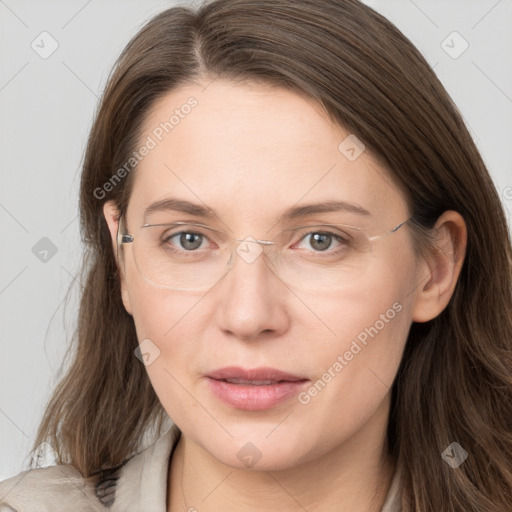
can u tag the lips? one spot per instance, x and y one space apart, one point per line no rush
251 382
254 389
256 374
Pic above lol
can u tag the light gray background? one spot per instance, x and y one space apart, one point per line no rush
46 112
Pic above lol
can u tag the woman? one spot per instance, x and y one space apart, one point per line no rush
296 254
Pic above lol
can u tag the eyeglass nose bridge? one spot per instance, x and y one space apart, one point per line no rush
251 239
249 248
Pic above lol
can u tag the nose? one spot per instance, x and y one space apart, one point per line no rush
252 299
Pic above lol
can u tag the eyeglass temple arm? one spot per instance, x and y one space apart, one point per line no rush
123 238
126 239
391 231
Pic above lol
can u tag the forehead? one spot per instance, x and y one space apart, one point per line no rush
251 151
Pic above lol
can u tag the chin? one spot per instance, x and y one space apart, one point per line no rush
260 453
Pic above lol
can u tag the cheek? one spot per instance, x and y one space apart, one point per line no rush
169 324
376 302
355 371
354 375
158 312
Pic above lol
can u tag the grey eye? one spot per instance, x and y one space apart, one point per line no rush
320 241
188 241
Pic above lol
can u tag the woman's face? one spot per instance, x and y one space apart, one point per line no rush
337 326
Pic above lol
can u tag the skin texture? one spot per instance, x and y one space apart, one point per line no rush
249 152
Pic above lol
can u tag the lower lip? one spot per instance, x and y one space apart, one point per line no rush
255 398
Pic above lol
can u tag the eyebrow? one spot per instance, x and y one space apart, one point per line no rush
197 210
179 205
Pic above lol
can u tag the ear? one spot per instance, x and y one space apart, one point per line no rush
441 267
111 213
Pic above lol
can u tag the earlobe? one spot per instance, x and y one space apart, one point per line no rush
111 213
441 267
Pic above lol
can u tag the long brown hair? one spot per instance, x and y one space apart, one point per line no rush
455 380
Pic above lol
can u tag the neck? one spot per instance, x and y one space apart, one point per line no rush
354 476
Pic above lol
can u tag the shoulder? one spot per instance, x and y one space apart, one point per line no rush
140 483
55 489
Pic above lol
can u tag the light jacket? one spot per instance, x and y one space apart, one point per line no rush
139 485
